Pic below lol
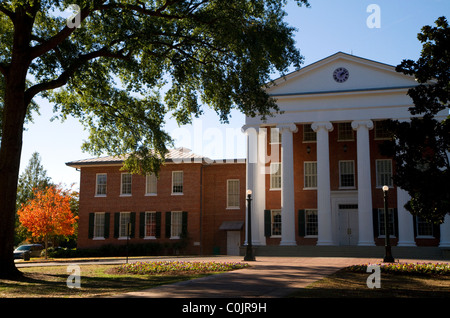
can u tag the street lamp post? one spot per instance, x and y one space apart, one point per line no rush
388 254
249 252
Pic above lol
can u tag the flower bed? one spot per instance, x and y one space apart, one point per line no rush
407 268
160 267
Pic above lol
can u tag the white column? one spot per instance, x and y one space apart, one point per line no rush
325 236
445 232
287 185
252 172
405 220
364 182
259 202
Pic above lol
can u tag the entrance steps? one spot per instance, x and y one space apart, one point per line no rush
398 252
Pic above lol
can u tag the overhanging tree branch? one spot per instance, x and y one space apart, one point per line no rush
10 14
58 38
143 10
70 71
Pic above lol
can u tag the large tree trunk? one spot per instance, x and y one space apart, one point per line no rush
10 151
15 106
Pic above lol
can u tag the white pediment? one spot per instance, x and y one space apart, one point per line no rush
373 90
364 74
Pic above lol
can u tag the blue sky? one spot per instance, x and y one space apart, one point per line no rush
325 28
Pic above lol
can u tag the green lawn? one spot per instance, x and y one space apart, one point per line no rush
106 280
346 283
96 281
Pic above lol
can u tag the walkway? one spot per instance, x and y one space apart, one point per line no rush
271 277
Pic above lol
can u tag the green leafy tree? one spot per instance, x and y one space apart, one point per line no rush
108 65
421 147
33 178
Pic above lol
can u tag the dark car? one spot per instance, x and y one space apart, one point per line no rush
28 250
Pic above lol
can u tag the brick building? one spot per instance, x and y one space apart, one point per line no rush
314 169
193 199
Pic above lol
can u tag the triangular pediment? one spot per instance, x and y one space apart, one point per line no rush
363 74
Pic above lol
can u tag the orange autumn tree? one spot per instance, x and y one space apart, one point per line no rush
48 214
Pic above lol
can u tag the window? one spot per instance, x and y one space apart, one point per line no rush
275 222
309 135
233 194
123 224
310 174
384 172
176 224
275 136
381 130
275 176
101 184
345 132
151 184
347 174
150 224
424 228
381 221
311 222
126 184
99 225
177 182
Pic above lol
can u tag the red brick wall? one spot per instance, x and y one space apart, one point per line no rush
210 205
163 202
215 210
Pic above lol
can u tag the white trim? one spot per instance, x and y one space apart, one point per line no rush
94 236
304 175
149 237
121 237
306 223
182 182
391 182
234 207
278 175
180 213
121 184
273 130
147 193
339 125
271 223
341 187
96 185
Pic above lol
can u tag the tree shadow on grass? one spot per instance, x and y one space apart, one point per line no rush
346 284
35 284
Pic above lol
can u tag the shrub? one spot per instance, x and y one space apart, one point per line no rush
159 267
407 268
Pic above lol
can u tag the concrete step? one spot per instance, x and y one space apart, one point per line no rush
398 252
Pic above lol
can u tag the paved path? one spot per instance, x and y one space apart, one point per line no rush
271 277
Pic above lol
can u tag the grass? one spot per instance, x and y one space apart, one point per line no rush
96 281
109 280
397 281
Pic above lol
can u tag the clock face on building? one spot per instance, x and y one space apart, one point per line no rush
341 74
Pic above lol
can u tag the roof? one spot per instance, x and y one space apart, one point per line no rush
177 155
328 59
231 225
